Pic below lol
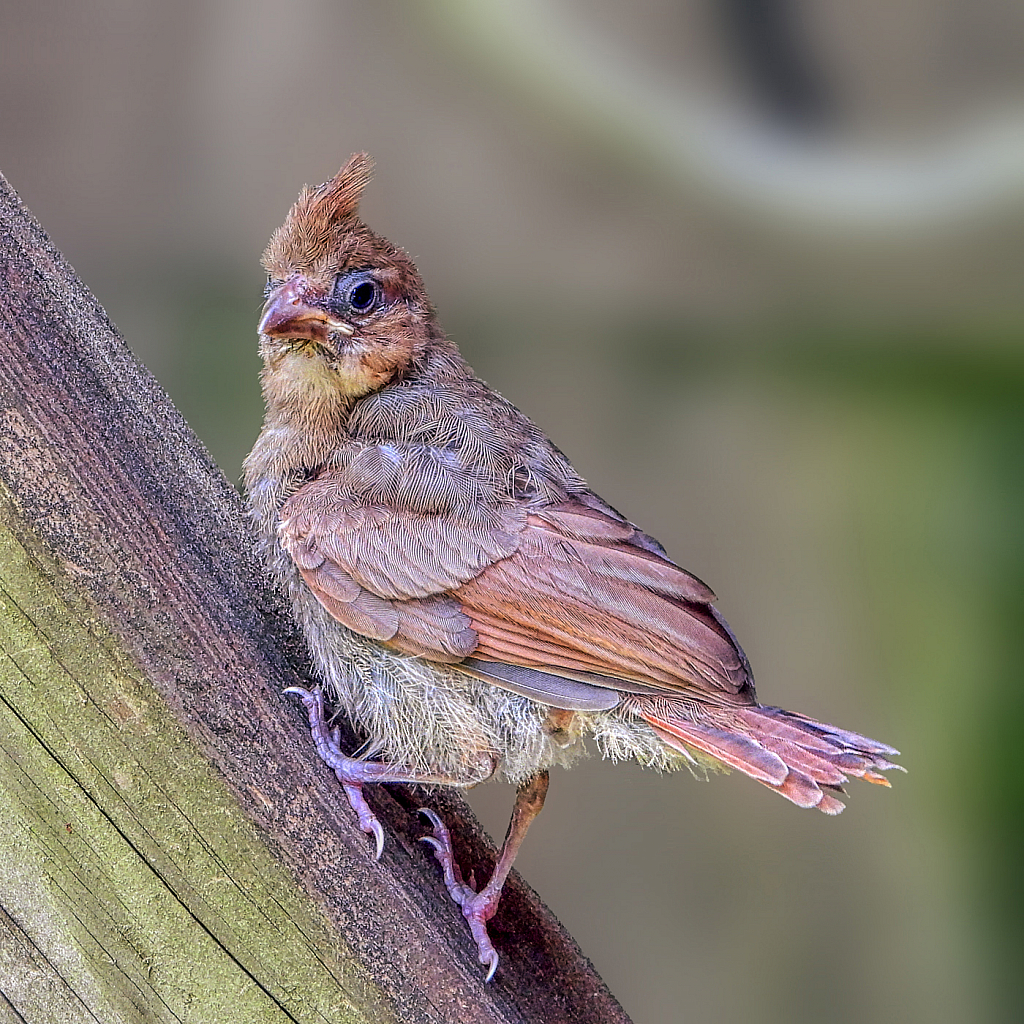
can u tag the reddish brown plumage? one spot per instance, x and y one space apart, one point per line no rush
396 490
444 524
322 230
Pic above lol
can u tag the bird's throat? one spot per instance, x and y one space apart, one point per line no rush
303 382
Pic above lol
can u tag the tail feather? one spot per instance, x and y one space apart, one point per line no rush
853 740
814 763
801 789
794 755
731 748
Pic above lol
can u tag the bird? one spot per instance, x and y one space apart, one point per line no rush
468 601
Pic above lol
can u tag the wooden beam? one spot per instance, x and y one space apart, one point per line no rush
171 849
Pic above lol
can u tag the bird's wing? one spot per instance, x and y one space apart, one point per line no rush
563 603
578 595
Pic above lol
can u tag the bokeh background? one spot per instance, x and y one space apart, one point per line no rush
756 266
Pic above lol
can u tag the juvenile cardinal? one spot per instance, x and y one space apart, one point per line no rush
471 604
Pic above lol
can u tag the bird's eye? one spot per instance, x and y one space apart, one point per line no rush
363 296
357 293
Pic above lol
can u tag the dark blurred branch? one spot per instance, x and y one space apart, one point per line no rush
172 848
774 54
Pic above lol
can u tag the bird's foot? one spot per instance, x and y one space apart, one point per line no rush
477 907
352 773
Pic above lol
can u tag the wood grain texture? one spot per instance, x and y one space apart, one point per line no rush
170 847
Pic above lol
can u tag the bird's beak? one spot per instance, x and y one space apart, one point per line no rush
289 314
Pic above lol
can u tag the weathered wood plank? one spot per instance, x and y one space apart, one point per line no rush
117 824
170 848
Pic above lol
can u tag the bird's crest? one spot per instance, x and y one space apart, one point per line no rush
310 232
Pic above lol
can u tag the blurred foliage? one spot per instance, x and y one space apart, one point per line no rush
973 379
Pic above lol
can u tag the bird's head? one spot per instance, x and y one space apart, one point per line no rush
346 311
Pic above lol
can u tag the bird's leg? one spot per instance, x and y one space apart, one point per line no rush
479 907
351 771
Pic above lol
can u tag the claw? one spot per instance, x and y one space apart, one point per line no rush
441 841
493 961
378 835
434 820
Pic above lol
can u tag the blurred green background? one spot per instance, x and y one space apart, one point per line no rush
755 265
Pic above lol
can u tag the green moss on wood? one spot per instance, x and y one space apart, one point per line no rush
124 859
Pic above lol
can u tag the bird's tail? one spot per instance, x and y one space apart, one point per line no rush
801 759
